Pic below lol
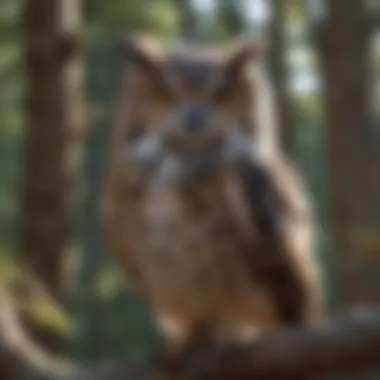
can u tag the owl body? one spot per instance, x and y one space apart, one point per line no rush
197 229
213 234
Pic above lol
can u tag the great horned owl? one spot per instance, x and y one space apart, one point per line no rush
208 220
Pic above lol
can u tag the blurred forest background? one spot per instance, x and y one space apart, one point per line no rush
59 77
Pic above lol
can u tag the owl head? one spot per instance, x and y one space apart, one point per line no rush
190 101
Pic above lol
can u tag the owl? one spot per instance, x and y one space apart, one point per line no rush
201 209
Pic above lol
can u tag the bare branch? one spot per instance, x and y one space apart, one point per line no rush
347 345
353 343
18 352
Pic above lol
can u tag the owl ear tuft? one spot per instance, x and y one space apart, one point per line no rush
242 53
137 53
144 56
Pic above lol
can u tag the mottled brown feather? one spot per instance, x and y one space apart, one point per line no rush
220 250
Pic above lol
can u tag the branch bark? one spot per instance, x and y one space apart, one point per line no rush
346 345
352 148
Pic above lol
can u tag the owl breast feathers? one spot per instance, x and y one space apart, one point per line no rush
213 233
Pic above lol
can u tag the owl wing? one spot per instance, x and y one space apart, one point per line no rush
279 256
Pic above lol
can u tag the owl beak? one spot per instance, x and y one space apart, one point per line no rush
195 118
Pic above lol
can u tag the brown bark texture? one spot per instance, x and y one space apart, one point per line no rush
353 149
344 346
52 135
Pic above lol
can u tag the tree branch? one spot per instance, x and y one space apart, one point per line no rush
346 345
19 354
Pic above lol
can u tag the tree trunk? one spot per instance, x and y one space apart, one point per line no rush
277 64
353 149
53 114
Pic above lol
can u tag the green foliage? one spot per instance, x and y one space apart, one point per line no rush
10 12
11 119
296 10
231 17
120 16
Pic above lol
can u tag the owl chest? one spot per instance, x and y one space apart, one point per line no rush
172 231
186 236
